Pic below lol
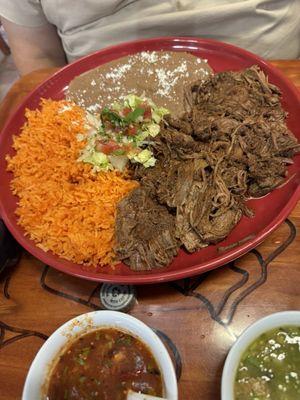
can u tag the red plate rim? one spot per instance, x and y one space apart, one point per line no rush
161 275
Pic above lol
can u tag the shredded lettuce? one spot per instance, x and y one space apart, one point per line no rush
144 157
132 101
97 159
153 129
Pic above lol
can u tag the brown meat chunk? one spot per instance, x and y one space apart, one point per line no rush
145 232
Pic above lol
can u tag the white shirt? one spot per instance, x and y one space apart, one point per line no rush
270 28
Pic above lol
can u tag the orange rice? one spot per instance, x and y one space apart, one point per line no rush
63 206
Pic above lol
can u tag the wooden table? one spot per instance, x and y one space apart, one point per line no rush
202 317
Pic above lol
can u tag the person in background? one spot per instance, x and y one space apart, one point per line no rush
49 33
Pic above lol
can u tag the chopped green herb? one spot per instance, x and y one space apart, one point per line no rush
80 361
119 138
125 340
86 351
133 115
112 116
119 152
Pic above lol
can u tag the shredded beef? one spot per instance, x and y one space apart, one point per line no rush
145 232
230 145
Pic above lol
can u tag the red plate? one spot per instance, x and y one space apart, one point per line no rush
270 211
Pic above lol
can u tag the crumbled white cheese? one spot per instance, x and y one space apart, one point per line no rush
151 57
117 73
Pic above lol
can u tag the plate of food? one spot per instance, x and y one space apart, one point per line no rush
151 161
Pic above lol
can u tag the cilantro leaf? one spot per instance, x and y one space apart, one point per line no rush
133 115
112 116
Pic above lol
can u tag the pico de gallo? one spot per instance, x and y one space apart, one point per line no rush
121 133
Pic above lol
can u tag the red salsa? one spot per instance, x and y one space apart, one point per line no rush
104 364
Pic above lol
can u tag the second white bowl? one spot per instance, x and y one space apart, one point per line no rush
247 337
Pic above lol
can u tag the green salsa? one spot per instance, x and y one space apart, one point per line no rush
270 367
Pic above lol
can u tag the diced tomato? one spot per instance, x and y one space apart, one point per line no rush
147 110
126 111
132 130
148 113
108 147
98 145
127 148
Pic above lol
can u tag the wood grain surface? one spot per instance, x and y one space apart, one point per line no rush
202 317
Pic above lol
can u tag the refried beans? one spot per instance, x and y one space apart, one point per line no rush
159 75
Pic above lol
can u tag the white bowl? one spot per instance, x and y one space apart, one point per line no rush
41 365
247 337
